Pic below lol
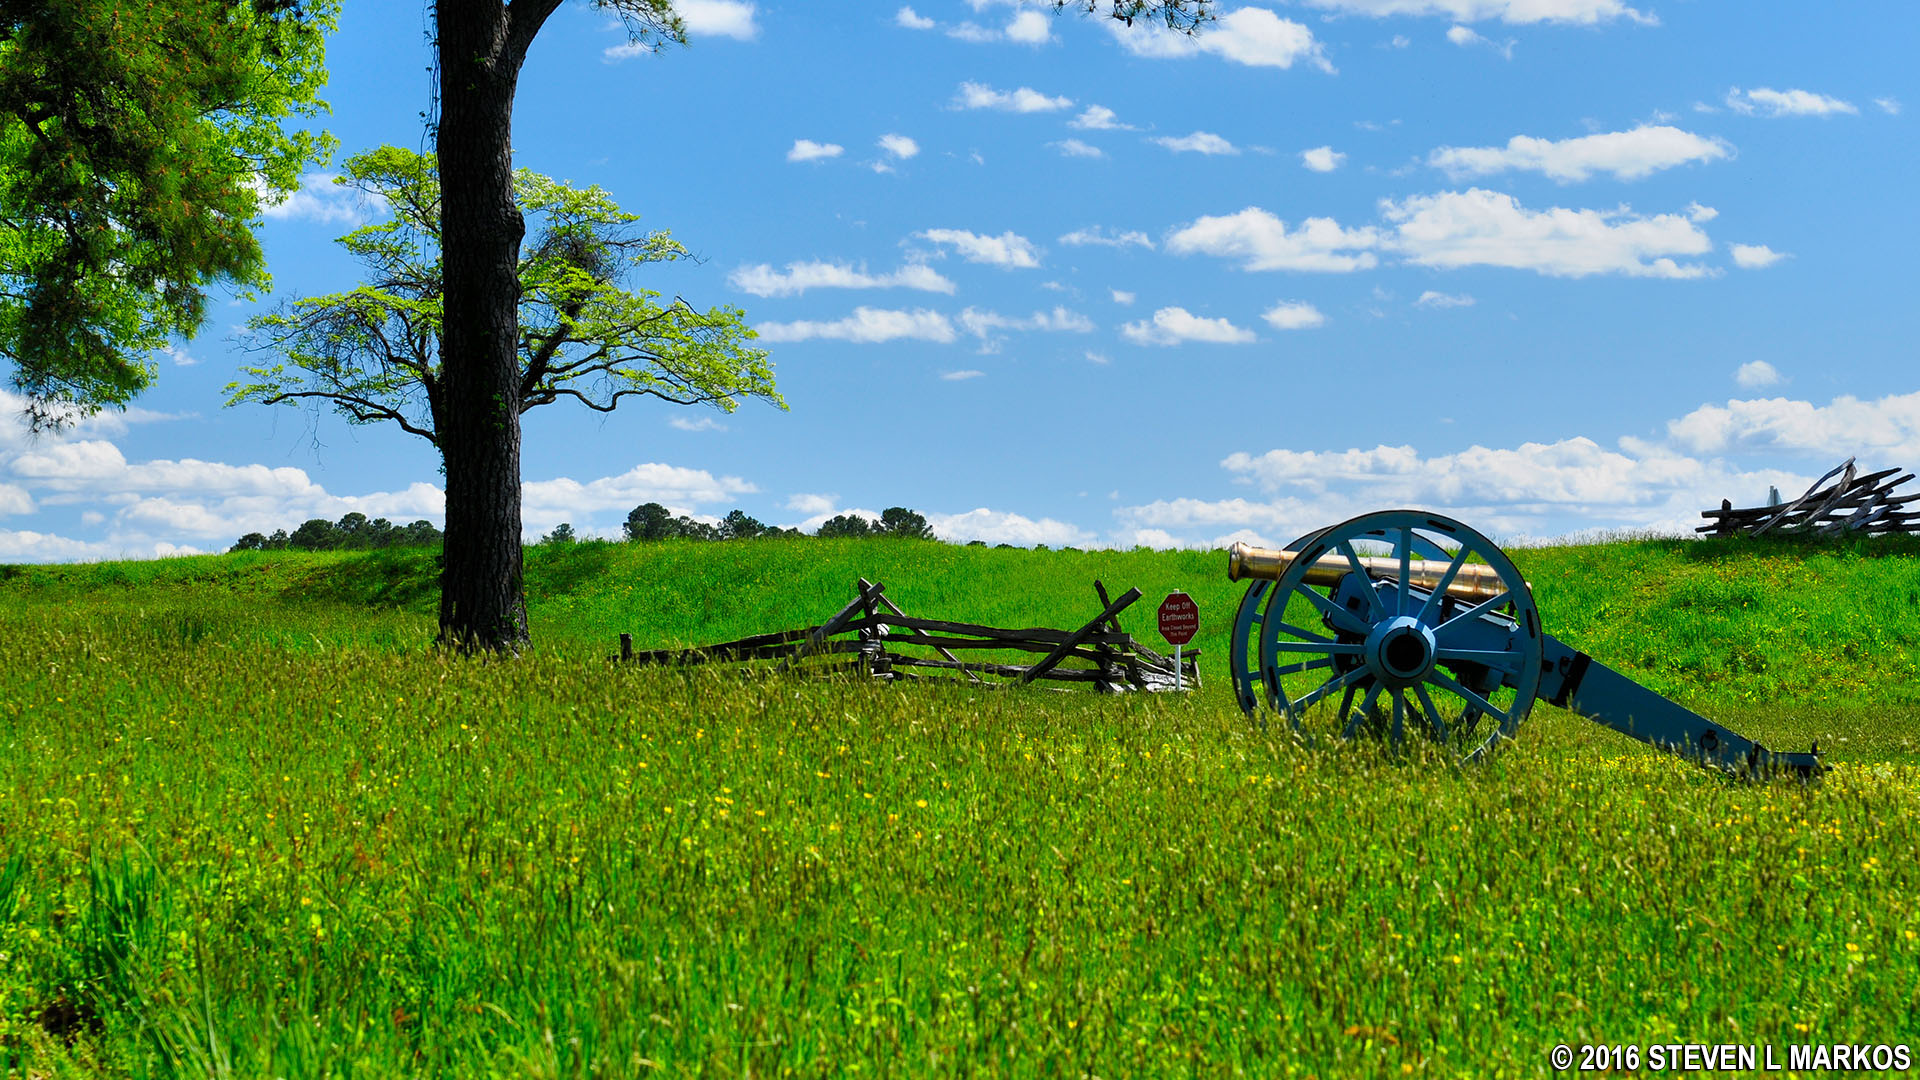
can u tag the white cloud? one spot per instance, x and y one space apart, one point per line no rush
1701 214
179 356
1200 142
974 95
972 32
153 500
161 507
15 500
1009 249
1098 236
718 18
1293 315
1121 296
808 150
899 146
1002 527
700 423
546 503
912 20
1174 325
1432 299
865 326
985 324
814 521
1030 27
1847 426
1253 36
811 505
1263 242
1627 155
1765 102
28 546
961 376
1499 490
1322 159
1486 228
763 280
1888 105
1466 38
1755 374
1510 11
1099 118
1097 357
321 199
1076 148
1754 256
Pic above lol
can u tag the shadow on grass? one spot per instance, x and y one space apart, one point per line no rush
1734 549
564 569
404 578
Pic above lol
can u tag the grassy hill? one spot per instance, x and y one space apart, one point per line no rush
1725 624
250 822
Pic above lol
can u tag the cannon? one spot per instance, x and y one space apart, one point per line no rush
1405 622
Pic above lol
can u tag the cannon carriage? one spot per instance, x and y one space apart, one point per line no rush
1407 624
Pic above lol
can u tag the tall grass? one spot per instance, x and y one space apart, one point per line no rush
251 824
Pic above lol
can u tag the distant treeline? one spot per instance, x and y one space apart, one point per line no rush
651 521
648 521
349 533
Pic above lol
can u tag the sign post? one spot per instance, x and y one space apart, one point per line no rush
1179 621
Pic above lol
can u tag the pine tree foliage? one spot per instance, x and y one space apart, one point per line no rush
138 145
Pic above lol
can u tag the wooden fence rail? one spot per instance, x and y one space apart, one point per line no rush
1852 503
871 636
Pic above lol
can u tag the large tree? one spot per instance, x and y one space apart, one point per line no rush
374 354
137 141
482 44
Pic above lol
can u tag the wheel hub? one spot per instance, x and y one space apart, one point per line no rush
1400 651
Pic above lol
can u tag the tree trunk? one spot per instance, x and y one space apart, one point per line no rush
482 599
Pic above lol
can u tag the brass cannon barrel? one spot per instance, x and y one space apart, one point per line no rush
1475 581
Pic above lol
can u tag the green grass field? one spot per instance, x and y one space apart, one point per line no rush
252 824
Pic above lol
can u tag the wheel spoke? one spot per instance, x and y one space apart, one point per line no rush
1504 660
1303 633
1346 701
1336 683
1373 599
1435 722
1341 617
1331 648
1406 574
1474 612
1399 717
1447 682
1304 665
1366 710
1446 579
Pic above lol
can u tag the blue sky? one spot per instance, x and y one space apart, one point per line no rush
1551 266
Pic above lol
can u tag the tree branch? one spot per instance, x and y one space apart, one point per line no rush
360 409
543 354
524 19
555 393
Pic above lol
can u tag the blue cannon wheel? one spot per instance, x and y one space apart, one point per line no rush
1244 648
1452 654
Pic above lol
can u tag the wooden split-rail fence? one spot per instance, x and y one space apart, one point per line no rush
871 637
1852 503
